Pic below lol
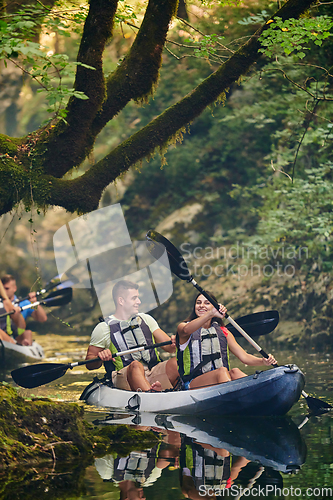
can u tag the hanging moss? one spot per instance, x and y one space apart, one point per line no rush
14 182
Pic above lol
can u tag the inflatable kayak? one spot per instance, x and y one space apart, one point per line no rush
13 355
266 393
275 443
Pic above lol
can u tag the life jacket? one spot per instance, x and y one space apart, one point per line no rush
125 335
137 466
207 350
206 467
6 324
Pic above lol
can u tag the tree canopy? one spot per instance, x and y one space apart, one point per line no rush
36 168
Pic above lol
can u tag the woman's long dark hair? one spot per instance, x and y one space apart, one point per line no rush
193 314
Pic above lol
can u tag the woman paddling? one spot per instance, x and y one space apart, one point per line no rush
203 345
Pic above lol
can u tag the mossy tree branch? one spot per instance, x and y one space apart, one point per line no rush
139 71
83 194
70 143
134 79
56 151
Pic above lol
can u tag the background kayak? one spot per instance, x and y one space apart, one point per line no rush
14 355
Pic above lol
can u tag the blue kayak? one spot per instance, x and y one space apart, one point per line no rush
271 392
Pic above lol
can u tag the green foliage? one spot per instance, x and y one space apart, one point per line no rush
125 13
296 215
293 36
258 18
49 70
267 121
212 161
207 46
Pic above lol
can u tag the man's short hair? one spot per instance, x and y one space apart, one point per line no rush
7 278
119 288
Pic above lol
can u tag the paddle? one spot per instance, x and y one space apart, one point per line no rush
35 375
314 413
56 298
157 244
255 324
49 286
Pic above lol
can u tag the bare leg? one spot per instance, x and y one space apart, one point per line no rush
6 338
25 338
172 371
129 489
236 373
218 376
137 380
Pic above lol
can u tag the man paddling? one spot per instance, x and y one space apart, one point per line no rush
127 328
11 326
37 313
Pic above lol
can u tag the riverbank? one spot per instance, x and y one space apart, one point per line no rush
41 430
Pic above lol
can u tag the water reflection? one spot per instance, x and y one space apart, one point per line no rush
44 481
211 456
235 457
83 482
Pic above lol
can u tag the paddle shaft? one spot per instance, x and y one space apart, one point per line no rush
39 292
123 353
179 267
54 299
232 321
36 375
23 308
47 288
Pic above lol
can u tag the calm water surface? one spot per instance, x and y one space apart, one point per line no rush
286 458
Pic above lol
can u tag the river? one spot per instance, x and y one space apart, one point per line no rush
285 458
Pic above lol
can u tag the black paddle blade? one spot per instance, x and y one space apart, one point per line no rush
58 297
157 244
256 324
317 406
60 283
35 375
